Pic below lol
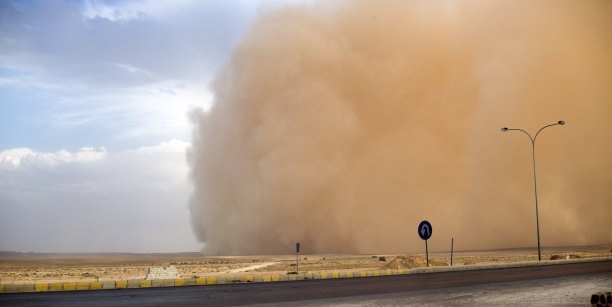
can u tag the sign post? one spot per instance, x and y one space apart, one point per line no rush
297 260
425 233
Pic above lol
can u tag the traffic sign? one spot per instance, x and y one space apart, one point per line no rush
425 230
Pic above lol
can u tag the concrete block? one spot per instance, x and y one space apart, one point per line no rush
275 277
400 271
211 280
42 287
200 281
393 272
168 282
179 282
257 278
284 277
369 273
601 299
236 279
190 281
222 280
108 284
82 285
144 283
342 275
157 283
18 288
163 273
133 283
248 278
121 284
95 285
316 276
69 286
293 276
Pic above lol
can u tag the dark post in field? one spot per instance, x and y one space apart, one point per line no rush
452 239
297 259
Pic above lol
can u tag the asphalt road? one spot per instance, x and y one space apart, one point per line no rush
308 290
574 290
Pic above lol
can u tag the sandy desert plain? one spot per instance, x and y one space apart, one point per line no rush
54 267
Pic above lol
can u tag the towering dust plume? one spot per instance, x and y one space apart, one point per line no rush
342 126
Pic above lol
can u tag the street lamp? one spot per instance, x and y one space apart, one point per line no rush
533 139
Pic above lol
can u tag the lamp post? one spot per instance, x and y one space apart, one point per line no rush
533 139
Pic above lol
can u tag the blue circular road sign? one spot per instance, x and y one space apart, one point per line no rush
425 230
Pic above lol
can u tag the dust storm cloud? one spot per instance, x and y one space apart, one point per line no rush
342 126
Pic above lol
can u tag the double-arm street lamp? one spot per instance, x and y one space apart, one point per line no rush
533 139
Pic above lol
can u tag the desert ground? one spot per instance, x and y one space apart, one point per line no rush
43 267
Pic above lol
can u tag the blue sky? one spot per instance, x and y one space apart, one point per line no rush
94 103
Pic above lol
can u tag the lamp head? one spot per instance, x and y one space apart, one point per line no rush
561 122
504 129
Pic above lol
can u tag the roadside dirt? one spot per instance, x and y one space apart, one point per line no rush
25 268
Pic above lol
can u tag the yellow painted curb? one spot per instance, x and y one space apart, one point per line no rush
82 285
69 286
363 274
211 281
95 285
179 282
324 275
1 288
335 275
41 287
248 278
375 273
400 271
389 272
145 283
266 278
200 281
121 284
275 277
55 286
349 274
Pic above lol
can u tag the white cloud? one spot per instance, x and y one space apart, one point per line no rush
129 10
8 81
132 69
25 157
95 9
173 146
95 200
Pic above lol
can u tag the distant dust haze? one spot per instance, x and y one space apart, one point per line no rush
342 125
